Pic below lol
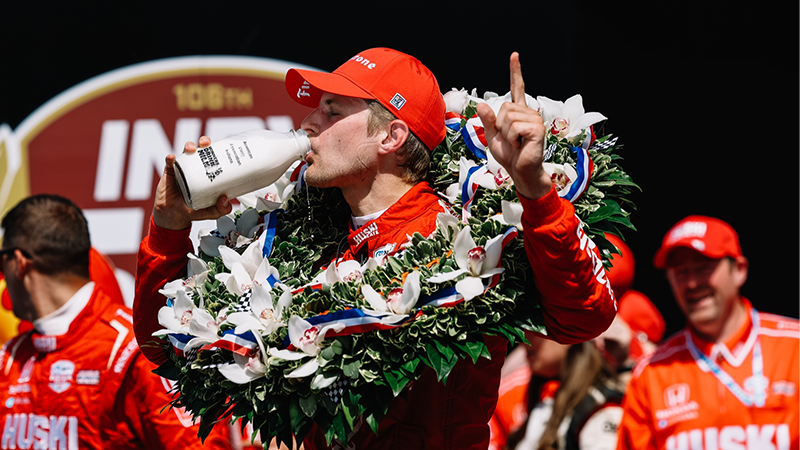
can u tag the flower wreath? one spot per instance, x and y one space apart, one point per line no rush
258 331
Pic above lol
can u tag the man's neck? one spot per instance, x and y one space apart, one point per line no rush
722 332
382 193
49 293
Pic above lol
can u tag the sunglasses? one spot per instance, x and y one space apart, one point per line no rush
8 251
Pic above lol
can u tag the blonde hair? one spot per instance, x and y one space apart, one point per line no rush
414 155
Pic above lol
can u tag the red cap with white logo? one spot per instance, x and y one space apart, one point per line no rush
398 81
708 236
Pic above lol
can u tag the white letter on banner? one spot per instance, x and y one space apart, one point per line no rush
111 160
149 147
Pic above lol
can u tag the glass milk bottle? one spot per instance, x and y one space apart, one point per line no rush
239 164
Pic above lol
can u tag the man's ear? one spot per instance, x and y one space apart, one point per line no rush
24 264
395 138
740 266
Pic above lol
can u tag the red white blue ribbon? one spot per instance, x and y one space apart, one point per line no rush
179 342
473 135
584 167
469 188
271 227
243 344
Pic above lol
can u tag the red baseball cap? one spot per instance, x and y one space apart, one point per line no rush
396 80
708 236
646 322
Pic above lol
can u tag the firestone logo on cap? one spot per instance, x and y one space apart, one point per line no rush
688 230
364 62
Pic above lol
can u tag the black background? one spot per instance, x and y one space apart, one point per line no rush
703 95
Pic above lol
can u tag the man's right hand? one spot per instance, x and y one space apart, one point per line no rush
170 211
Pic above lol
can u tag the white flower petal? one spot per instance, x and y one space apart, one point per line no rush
170 289
283 302
168 319
461 247
247 220
374 299
573 108
225 225
287 355
583 122
494 250
470 287
203 324
411 291
236 373
210 245
448 223
441 277
512 213
345 268
182 303
309 368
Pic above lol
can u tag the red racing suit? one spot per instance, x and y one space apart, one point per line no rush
90 388
577 301
675 401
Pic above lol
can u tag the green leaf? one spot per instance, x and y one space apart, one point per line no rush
410 367
477 349
397 381
351 369
308 405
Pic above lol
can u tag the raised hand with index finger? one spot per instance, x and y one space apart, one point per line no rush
516 137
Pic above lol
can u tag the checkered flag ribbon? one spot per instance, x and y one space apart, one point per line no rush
191 355
243 304
605 145
336 390
548 152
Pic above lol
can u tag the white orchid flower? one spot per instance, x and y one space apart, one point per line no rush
475 261
344 271
197 276
563 175
230 232
273 196
244 268
176 318
204 327
265 315
307 339
397 304
456 100
185 318
349 270
567 120
448 224
244 369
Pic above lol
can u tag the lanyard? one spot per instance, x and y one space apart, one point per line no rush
757 384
